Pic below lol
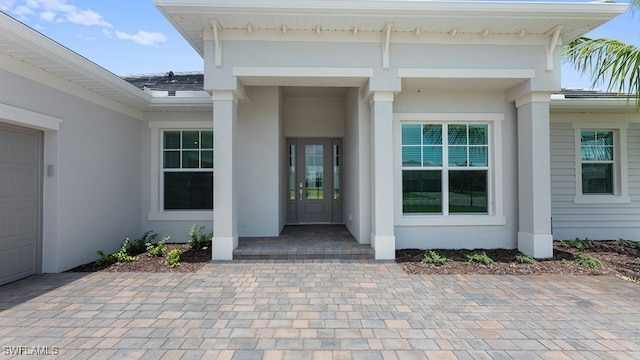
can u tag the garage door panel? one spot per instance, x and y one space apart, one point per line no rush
20 204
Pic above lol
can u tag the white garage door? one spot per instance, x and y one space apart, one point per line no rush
20 189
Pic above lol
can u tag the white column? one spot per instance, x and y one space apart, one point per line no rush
534 176
383 238
225 210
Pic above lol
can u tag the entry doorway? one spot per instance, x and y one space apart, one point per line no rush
314 181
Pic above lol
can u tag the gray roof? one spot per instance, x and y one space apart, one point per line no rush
570 93
170 81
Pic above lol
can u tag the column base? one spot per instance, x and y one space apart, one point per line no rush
539 246
222 247
384 246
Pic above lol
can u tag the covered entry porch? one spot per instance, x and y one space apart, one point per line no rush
304 242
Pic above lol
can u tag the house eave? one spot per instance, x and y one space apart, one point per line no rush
191 17
614 106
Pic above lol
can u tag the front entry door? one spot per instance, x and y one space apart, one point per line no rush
314 181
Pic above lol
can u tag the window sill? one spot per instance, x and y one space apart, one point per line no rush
181 216
601 199
451 220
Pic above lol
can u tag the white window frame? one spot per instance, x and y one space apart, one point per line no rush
620 179
157 211
495 197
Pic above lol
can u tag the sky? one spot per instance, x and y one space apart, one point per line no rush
129 37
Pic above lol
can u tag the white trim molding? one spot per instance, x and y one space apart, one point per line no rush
620 165
466 73
27 118
156 213
240 71
496 216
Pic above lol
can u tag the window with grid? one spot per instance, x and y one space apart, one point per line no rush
597 158
187 167
445 168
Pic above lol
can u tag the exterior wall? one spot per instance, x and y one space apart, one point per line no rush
604 221
259 174
356 167
319 117
462 235
92 202
152 219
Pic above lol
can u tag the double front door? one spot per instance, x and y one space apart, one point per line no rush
314 181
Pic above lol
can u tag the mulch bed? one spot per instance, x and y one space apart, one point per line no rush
191 260
616 261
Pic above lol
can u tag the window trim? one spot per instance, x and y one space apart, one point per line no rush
156 211
620 165
495 198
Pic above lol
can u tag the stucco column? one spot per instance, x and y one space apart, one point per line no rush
534 176
383 238
225 209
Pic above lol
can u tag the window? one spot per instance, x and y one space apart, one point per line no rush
601 163
445 168
596 149
187 169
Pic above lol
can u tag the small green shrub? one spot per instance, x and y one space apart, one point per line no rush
479 257
105 259
173 258
139 245
157 250
628 243
525 259
198 238
588 261
432 257
576 243
122 255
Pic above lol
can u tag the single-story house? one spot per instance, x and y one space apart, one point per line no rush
413 123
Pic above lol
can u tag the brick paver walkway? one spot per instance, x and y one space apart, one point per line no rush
319 310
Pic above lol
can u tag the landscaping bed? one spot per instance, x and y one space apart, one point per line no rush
615 258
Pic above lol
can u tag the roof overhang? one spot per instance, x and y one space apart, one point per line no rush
559 104
191 17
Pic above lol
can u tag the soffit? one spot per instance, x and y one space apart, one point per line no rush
29 46
191 17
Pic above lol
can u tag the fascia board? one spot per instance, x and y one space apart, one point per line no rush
396 7
592 105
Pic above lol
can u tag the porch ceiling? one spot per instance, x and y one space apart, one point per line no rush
190 17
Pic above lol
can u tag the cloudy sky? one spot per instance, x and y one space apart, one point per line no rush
132 37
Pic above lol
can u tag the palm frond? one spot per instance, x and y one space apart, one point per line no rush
607 61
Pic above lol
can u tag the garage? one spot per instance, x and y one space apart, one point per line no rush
20 202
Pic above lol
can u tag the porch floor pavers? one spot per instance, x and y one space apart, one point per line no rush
304 242
319 309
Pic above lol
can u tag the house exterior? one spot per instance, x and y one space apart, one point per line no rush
415 123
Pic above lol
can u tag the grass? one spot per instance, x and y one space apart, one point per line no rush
628 243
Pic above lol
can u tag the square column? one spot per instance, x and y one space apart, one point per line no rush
383 238
225 209
534 176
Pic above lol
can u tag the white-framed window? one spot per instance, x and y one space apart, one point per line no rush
181 170
601 163
449 169
187 170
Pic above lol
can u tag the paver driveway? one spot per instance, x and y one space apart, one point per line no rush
319 310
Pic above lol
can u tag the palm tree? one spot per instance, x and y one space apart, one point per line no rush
607 61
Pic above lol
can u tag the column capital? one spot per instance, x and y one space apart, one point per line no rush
534 96
376 96
227 95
